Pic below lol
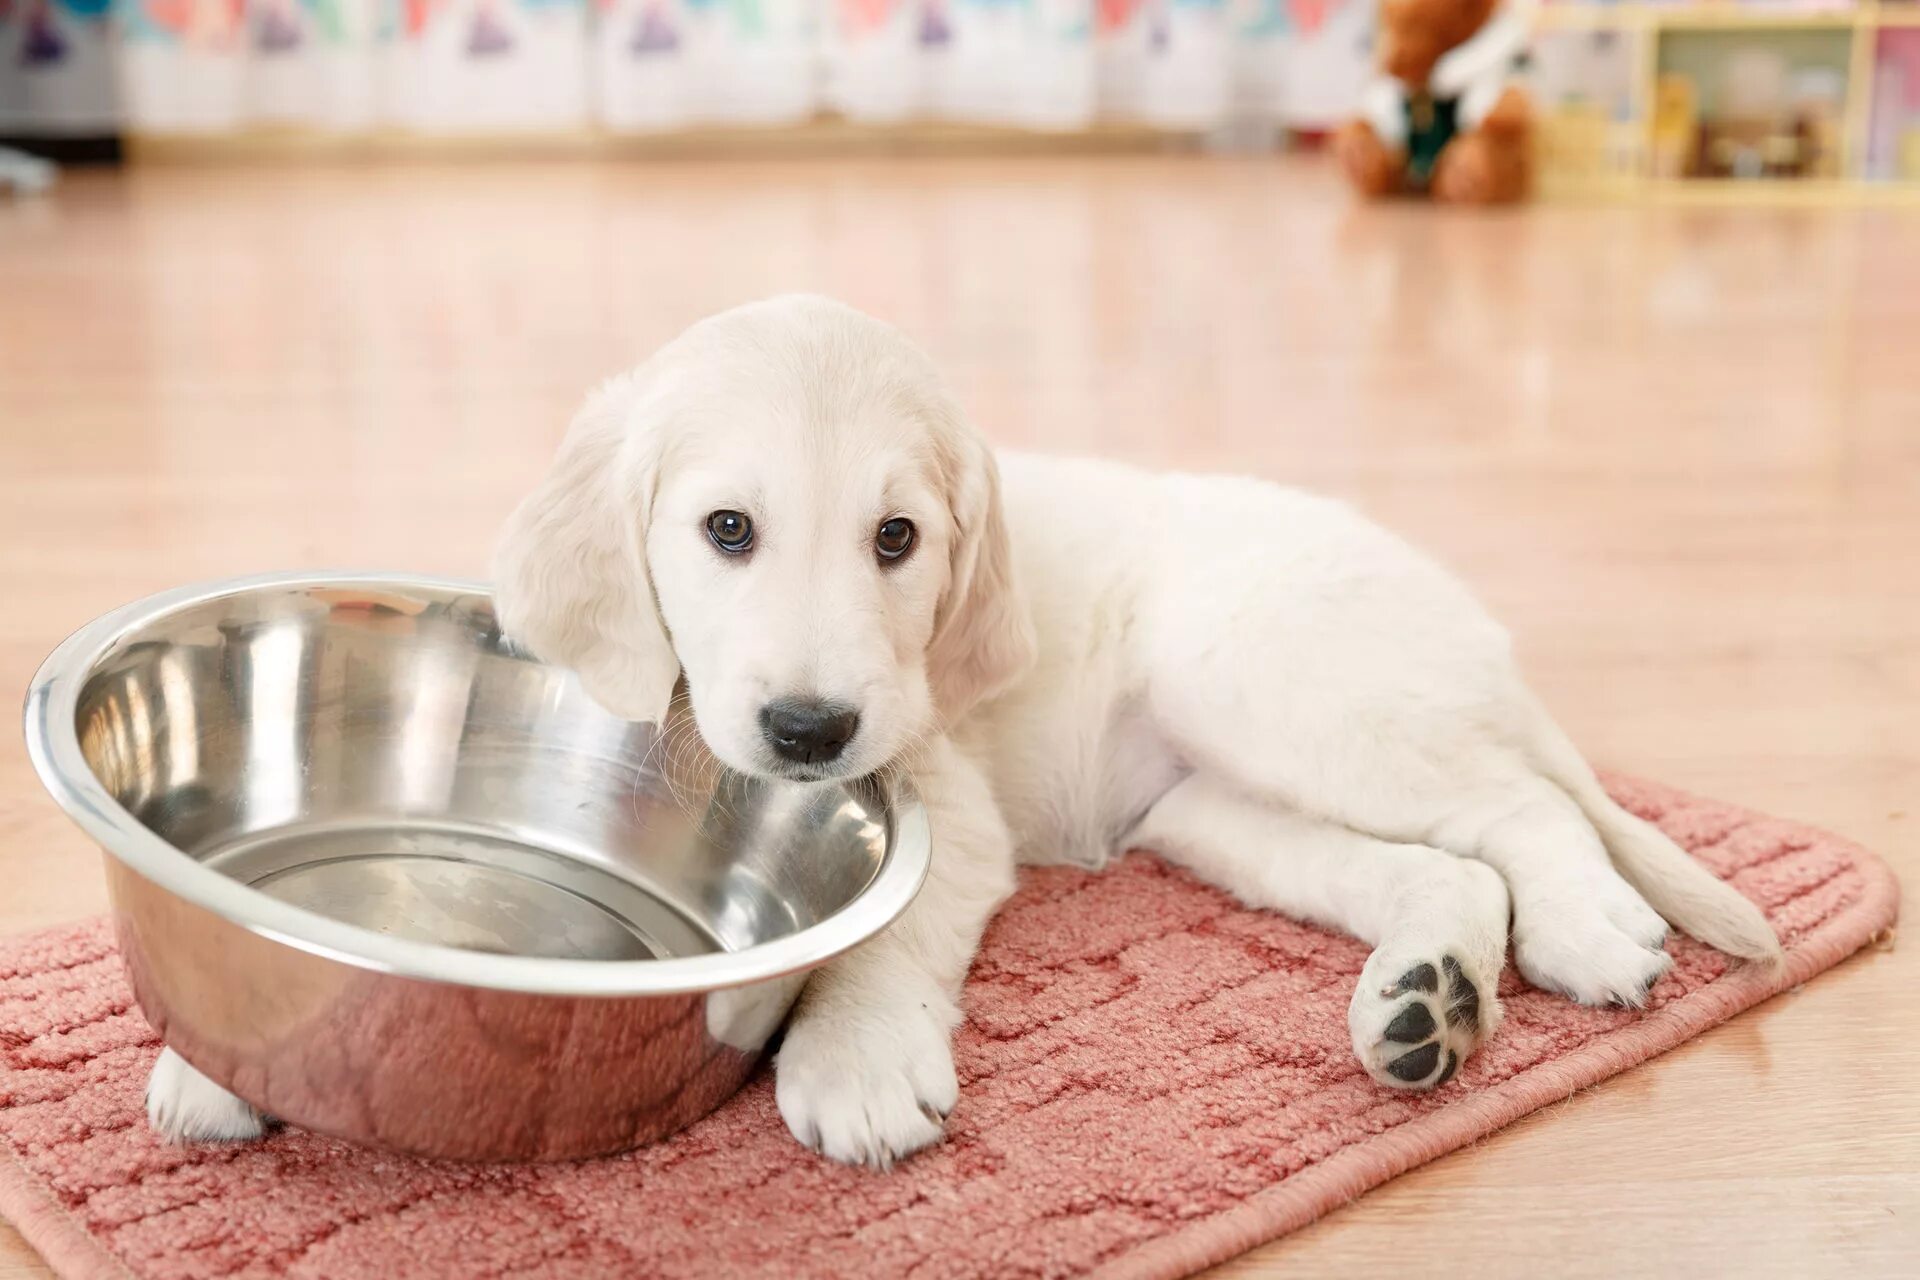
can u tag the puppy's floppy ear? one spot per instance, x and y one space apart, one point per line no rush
982 637
570 576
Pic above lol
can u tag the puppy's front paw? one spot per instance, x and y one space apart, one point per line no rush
185 1106
867 1086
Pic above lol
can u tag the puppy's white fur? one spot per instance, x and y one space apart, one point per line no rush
185 1106
1078 658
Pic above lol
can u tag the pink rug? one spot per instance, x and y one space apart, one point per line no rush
1153 1079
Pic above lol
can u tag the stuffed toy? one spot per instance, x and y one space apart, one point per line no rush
1441 117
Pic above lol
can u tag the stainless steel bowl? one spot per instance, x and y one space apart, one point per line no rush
386 878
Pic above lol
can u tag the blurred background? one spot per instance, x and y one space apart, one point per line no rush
318 283
1819 90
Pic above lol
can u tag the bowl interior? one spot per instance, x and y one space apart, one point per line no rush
378 755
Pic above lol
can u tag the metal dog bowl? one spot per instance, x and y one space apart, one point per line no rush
386 878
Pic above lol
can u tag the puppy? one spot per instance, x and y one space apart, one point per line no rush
786 506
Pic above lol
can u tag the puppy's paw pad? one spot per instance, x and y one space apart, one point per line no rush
1415 1031
1463 997
185 1106
1422 977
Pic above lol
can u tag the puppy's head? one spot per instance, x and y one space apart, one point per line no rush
786 505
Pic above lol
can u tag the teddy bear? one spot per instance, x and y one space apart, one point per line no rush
1440 116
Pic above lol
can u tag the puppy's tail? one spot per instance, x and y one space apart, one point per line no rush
1691 897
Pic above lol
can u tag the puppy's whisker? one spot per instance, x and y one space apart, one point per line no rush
659 753
684 771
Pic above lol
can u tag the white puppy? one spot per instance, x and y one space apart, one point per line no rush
1071 659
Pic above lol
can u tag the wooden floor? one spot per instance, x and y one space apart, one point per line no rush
1677 450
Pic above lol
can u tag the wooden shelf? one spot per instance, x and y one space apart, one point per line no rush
1578 15
1781 191
1650 22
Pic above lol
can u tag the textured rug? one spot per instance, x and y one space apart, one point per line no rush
1153 1079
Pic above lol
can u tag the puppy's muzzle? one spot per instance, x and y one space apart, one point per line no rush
808 730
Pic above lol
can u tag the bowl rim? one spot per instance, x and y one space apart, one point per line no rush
53 745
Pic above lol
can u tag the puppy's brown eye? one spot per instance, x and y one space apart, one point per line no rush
895 538
731 531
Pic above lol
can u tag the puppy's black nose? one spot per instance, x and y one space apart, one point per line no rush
807 730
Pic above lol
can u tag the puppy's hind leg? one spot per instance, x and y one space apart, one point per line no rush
1593 886
1678 887
1426 998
